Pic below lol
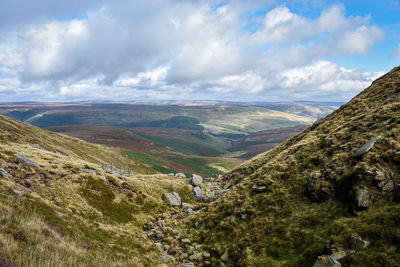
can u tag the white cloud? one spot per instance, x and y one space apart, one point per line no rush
360 40
125 50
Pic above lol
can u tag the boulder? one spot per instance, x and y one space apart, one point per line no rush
180 175
198 192
173 199
363 198
367 146
356 243
380 176
197 180
26 161
326 261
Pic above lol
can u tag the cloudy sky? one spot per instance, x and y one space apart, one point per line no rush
126 50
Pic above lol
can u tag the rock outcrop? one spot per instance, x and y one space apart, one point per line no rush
26 161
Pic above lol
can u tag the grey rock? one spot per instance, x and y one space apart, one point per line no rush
26 161
197 256
4 173
380 176
356 243
27 190
339 255
190 211
367 146
61 152
197 180
92 172
172 199
326 261
388 187
206 255
68 209
180 175
198 192
363 198
171 174
165 258
38 147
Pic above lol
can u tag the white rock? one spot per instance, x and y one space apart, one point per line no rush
197 180
198 192
172 199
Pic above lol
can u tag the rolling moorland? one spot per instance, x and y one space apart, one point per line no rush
169 137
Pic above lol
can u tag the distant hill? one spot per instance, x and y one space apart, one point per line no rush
259 142
328 196
214 118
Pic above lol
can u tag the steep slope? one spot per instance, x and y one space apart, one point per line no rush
59 207
317 193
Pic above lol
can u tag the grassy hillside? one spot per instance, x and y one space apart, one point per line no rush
159 150
185 141
64 210
308 196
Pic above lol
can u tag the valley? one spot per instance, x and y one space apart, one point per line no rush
172 138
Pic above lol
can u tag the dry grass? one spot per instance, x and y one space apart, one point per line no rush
72 218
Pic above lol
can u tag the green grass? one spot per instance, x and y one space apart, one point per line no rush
198 165
158 163
191 144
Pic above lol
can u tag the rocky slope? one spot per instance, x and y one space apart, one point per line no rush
328 196
66 202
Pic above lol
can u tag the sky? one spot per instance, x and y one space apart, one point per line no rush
232 50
